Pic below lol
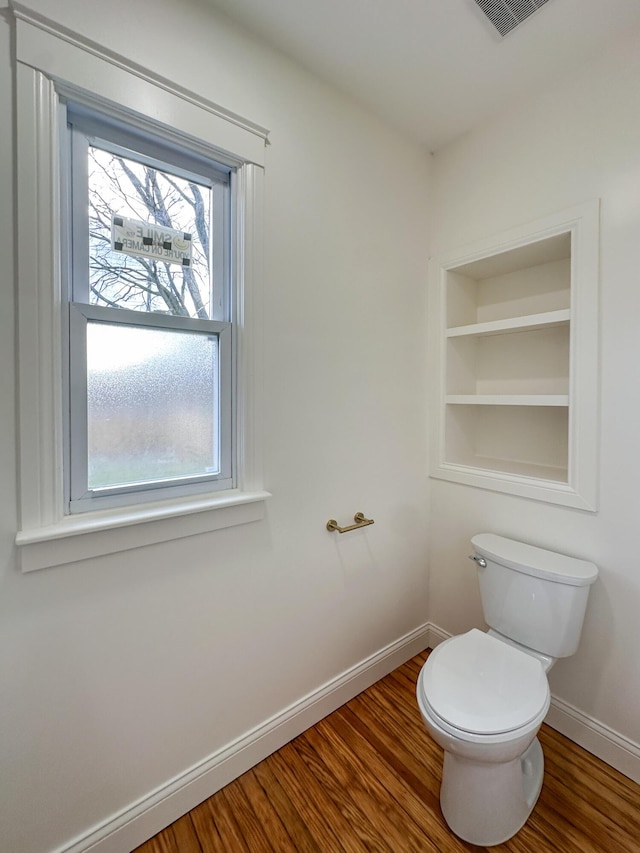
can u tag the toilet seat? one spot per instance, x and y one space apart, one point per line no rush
476 684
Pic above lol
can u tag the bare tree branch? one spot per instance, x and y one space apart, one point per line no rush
121 186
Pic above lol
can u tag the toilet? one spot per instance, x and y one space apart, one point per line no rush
484 695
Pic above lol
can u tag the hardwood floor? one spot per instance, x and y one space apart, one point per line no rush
367 778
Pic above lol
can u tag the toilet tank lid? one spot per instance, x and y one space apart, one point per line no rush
531 560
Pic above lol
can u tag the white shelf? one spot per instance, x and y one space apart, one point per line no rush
508 468
547 319
507 399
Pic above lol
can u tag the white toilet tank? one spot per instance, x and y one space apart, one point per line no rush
536 597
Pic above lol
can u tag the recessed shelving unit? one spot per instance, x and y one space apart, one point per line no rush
514 327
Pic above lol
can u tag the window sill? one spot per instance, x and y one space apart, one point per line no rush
95 534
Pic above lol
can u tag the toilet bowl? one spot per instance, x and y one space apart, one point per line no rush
483 702
483 696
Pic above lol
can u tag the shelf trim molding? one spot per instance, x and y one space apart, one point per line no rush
507 399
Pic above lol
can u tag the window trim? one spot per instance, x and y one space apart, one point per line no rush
54 64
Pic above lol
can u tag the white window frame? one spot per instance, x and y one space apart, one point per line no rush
54 65
136 141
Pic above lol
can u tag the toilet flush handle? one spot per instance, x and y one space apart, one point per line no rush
479 560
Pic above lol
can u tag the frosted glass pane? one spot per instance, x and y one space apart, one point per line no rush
152 404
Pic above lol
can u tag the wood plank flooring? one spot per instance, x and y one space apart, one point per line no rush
367 778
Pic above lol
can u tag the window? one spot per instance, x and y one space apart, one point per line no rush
139 373
149 325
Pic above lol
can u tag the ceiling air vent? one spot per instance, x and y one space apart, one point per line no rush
505 15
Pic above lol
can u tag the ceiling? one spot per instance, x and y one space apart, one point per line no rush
435 68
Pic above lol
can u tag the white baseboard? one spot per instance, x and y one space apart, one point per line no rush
435 635
140 821
614 749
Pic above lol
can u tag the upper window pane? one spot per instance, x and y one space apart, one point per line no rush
149 237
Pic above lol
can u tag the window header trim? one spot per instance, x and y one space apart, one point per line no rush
77 64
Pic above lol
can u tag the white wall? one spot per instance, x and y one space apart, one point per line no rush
579 141
122 672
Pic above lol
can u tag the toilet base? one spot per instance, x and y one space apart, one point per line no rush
487 803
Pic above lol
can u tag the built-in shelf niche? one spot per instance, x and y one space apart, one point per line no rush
514 326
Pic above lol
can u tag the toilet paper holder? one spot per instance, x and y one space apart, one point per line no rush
360 521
